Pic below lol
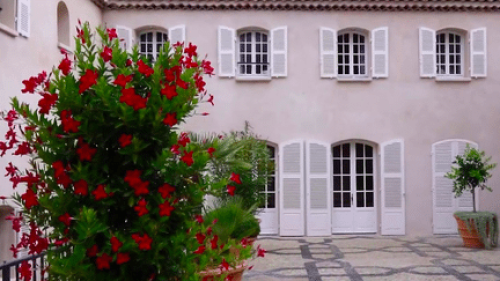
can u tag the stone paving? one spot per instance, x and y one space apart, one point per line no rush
373 258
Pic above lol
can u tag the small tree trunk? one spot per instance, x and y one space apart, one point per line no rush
473 200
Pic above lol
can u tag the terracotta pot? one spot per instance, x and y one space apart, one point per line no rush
471 238
235 273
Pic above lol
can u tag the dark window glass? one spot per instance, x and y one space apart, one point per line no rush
257 58
143 37
369 183
336 183
337 202
346 69
264 60
340 39
346 183
369 166
346 150
249 69
346 38
452 49
360 199
257 48
264 37
249 47
359 166
457 69
249 37
249 58
150 48
355 38
346 167
336 167
336 151
359 150
150 36
264 67
359 183
257 69
368 151
340 70
346 49
158 37
264 48
362 69
451 38
143 48
452 69
362 49
346 199
257 36
457 48
355 49
356 60
271 200
355 70
457 59
361 40
369 199
242 69
242 47
341 59
271 183
242 37
346 59
242 58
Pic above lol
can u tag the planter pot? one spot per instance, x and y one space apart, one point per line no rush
471 238
235 273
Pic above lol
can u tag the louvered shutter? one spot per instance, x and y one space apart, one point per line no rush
380 52
478 52
318 189
444 201
393 188
427 46
279 52
328 52
227 64
291 176
125 35
177 34
23 17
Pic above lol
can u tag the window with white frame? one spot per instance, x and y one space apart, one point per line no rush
253 53
151 42
351 54
15 17
269 190
449 53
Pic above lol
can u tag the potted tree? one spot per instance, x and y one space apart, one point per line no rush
472 170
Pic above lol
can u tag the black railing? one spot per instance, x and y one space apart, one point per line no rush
10 270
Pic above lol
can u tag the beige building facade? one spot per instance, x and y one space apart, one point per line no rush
364 104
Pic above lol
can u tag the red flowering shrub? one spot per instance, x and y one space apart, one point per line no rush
116 189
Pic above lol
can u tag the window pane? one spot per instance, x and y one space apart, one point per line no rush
249 58
150 36
336 151
356 61
452 59
257 69
143 48
451 38
452 49
271 183
341 59
359 166
242 69
264 60
340 70
362 59
458 48
360 199
458 70
359 150
242 38
442 49
355 49
242 58
362 70
368 151
346 182
257 58
369 199
346 49
249 69
346 69
356 70
346 167
336 200
158 37
452 69
264 37
346 199
242 47
369 166
362 49
165 37
457 38
336 183
346 60
264 67
360 183
458 59
257 48
264 48
249 47
441 38
143 37
257 36
362 40
271 200
355 38
336 167
369 182
150 48
346 150
340 39
249 37
346 38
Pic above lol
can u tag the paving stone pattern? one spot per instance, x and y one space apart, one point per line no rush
373 258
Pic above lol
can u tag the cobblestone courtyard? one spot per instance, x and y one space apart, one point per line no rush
372 258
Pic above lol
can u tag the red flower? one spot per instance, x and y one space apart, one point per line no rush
199 219
30 199
213 242
133 177
211 151
209 230
122 80
182 84
111 33
144 68
188 158
92 251
184 139
69 124
130 98
191 50
66 219
14 250
106 54
165 209
141 188
175 149
170 119
128 62
115 244
231 189
169 91
64 180
25 271
200 250
103 261
30 85
169 75
99 193
200 237
144 242
85 152
125 140
23 149
260 252
79 34
235 177
81 187
65 66
47 102
141 208
87 80
122 258
211 99
200 84
225 264
207 68
165 190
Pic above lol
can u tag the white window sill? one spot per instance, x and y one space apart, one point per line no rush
452 79
252 78
354 79
9 31
65 47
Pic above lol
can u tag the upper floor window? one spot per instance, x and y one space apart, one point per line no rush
449 53
352 53
253 55
151 42
15 17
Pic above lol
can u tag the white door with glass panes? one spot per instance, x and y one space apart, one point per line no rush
354 188
268 211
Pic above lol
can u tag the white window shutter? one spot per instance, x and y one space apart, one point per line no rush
177 34
227 64
328 52
318 189
291 178
23 17
427 46
478 52
279 48
380 52
393 188
126 37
